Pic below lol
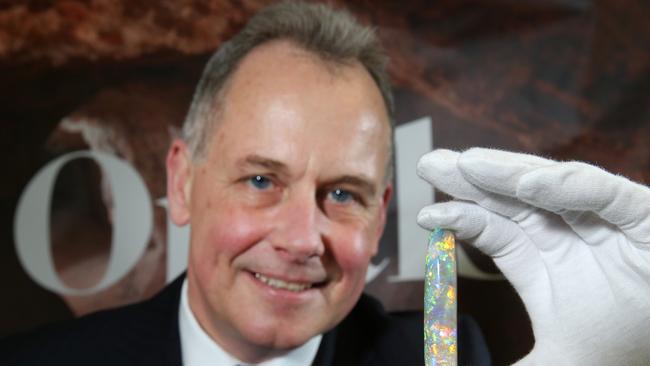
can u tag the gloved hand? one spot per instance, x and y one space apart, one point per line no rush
573 240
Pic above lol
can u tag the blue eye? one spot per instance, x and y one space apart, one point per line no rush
260 182
340 195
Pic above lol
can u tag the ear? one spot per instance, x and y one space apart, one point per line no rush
385 200
179 182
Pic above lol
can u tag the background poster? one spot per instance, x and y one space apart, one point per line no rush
568 79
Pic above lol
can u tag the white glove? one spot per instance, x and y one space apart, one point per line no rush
572 239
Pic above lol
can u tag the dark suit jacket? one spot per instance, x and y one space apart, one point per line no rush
147 334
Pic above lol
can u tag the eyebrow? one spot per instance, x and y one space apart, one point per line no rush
271 164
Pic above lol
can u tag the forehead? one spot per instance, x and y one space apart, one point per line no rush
282 95
282 65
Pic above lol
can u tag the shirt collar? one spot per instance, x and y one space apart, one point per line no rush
198 349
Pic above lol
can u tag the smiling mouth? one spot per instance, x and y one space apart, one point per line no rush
283 285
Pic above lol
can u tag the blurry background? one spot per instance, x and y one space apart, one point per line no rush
568 79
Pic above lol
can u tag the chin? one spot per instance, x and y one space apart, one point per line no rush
280 337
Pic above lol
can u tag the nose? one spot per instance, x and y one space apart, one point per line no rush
298 234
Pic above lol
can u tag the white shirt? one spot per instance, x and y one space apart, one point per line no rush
198 349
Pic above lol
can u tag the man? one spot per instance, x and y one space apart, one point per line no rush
287 193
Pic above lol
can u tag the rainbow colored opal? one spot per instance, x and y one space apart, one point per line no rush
440 329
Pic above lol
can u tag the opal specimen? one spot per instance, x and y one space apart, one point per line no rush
440 327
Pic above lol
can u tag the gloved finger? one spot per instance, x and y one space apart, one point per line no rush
498 171
581 187
514 254
561 187
440 168
490 233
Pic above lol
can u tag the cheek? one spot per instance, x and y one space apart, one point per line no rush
352 249
224 233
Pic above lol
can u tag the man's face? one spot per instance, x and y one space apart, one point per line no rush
287 208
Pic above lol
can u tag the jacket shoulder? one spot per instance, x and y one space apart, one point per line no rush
371 336
141 333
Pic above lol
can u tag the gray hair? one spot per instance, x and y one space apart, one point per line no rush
332 35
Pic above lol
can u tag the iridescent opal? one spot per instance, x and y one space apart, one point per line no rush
440 330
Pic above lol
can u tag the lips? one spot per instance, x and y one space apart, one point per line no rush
282 284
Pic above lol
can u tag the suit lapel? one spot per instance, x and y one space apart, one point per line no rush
325 354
